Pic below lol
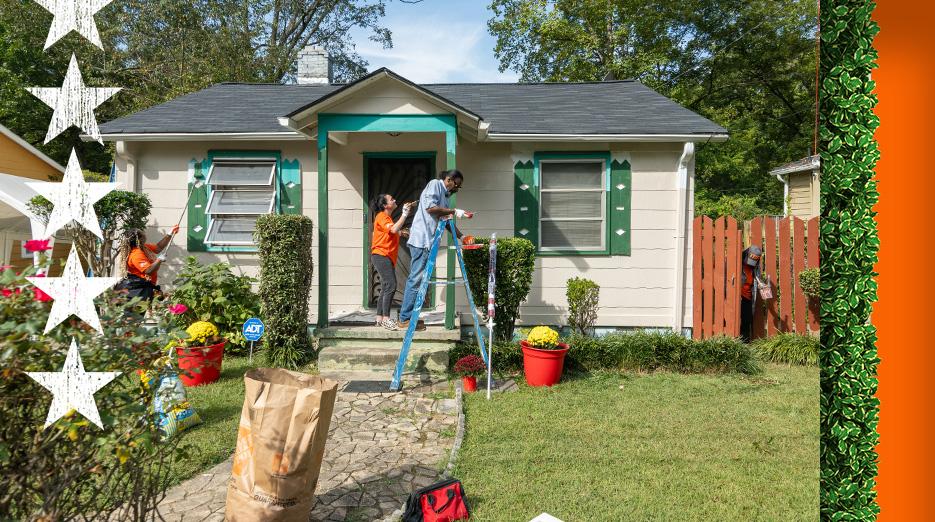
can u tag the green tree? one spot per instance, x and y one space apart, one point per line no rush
748 66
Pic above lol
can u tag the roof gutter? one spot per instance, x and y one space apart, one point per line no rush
784 179
201 136
688 138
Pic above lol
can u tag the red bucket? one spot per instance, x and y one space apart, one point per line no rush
200 365
543 367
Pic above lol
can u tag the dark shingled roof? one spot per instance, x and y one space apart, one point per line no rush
613 107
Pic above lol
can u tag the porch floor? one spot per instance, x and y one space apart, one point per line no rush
369 317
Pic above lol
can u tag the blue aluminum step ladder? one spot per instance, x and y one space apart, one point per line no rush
427 279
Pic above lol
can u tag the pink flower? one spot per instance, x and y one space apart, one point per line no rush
178 309
37 245
39 295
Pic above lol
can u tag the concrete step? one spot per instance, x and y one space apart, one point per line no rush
431 333
422 358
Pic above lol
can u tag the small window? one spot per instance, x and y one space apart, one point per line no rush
572 206
241 191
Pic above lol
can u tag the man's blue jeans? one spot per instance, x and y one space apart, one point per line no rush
420 257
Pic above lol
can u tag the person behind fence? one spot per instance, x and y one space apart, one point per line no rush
139 262
750 280
433 207
383 253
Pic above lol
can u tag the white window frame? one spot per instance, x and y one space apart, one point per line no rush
216 218
602 189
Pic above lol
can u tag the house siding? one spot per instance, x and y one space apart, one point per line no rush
804 192
17 161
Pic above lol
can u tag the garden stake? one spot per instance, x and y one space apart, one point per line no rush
491 302
396 384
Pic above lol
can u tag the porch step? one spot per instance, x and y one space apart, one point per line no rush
369 353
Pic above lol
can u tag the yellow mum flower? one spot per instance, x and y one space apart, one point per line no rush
199 332
543 337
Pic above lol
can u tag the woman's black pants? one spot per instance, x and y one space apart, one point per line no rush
387 272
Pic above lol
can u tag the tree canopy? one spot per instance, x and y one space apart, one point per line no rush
748 66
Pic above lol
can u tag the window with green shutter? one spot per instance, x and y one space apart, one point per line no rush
232 189
573 203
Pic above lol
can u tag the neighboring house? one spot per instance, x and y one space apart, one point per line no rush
20 162
599 176
802 182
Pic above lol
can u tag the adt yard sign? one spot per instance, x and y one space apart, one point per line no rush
253 329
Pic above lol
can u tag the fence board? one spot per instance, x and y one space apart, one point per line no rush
798 265
696 278
772 257
719 262
731 308
785 273
811 260
759 314
707 231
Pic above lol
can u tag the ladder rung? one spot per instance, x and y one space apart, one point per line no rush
446 282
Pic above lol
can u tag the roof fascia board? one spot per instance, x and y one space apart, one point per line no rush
812 165
34 151
713 137
200 136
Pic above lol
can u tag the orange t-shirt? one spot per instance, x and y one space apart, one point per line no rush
384 242
747 289
137 263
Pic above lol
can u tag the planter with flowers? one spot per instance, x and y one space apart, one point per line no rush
468 368
543 357
201 354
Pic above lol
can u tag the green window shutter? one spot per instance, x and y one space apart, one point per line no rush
525 203
290 187
198 205
620 177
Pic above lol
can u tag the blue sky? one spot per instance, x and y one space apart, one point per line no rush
436 41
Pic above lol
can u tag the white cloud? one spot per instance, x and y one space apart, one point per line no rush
433 50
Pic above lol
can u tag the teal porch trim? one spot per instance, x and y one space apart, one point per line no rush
537 183
445 123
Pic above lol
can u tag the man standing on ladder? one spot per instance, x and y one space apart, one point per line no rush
433 206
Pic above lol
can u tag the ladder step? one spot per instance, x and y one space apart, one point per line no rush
446 282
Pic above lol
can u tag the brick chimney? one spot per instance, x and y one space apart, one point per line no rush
314 66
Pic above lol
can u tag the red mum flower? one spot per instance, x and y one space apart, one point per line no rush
37 245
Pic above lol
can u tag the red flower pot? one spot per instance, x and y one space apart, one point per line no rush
543 367
469 382
202 364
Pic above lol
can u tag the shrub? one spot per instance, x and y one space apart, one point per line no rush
516 261
789 348
73 469
117 212
507 357
285 246
810 281
213 293
583 296
469 365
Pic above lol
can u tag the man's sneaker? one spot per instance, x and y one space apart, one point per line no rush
390 325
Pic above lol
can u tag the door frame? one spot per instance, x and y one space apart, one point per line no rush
365 266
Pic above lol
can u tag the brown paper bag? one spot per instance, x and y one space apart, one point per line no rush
280 445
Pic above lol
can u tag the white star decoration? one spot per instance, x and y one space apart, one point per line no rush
73 199
73 388
73 103
73 293
73 15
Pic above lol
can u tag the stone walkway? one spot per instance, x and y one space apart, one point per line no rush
381 447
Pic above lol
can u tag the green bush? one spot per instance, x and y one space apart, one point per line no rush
583 297
789 348
284 243
215 294
810 281
516 261
636 351
74 470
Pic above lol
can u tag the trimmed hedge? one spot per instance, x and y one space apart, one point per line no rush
637 351
516 261
284 243
789 348
583 298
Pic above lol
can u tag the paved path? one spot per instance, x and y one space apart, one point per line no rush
381 447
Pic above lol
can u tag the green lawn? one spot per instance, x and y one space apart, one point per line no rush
647 447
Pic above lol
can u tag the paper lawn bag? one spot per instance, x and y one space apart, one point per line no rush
280 444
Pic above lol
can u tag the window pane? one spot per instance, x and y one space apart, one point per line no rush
572 174
241 201
242 173
571 205
237 231
573 235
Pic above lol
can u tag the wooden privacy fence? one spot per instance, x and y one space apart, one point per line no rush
790 245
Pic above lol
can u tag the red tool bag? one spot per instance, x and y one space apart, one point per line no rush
441 502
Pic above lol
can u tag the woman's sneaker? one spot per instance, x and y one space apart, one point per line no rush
390 325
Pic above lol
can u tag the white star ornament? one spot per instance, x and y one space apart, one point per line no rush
73 294
73 15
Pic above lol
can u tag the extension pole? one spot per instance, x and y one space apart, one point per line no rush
179 222
491 307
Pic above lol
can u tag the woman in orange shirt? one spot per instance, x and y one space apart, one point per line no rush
384 248
142 263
